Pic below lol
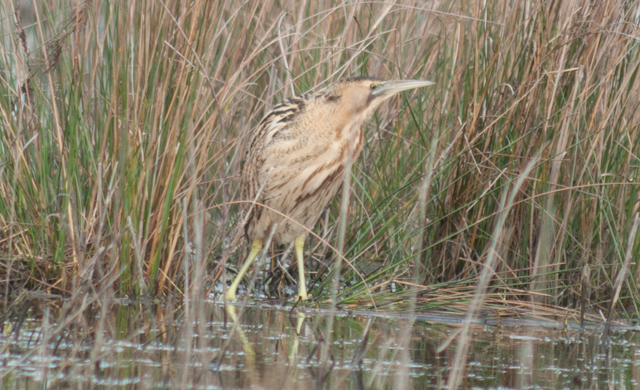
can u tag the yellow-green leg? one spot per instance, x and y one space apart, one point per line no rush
256 246
302 283
248 347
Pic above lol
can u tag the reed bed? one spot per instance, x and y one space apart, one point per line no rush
123 126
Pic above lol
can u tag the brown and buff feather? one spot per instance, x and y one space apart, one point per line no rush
296 157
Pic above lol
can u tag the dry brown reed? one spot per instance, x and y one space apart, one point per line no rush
120 156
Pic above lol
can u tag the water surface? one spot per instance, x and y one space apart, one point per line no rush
144 345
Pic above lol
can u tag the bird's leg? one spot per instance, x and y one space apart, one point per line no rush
302 284
249 352
256 246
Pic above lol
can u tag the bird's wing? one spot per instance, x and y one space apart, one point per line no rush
272 130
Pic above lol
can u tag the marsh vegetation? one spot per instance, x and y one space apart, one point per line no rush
509 188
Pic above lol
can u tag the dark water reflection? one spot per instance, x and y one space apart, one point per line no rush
142 346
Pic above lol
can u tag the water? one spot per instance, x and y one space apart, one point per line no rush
151 346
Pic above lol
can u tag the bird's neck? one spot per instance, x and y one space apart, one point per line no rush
343 129
349 134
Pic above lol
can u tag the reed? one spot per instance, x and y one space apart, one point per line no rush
122 127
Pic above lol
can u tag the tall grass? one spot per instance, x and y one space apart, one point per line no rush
122 128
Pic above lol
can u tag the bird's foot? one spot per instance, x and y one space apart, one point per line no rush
303 296
230 296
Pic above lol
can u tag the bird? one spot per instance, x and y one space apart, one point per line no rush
295 162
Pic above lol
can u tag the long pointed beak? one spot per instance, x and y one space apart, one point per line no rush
396 86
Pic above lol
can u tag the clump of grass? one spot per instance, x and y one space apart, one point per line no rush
123 127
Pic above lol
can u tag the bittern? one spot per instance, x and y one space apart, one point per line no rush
296 158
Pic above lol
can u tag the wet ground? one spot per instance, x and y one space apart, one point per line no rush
152 346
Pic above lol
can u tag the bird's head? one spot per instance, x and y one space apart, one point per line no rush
363 95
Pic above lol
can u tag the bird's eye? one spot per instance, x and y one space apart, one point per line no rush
373 86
